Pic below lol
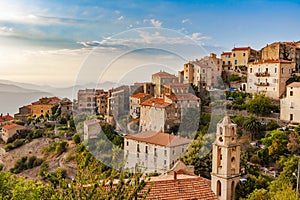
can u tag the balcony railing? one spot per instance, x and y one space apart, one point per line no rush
262 74
262 84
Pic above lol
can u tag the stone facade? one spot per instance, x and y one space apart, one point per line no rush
135 101
204 73
158 115
87 100
160 79
226 160
43 106
153 151
269 76
9 131
282 51
101 103
290 104
24 112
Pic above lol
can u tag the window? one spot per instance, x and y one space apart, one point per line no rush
138 148
291 93
282 70
127 143
244 54
291 117
275 69
155 152
165 152
218 188
251 70
137 155
165 162
235 62
234 55
146 149
173 152
182 150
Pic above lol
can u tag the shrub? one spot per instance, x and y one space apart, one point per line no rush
25 163
234 77
76 138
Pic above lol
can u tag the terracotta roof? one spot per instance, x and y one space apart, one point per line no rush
270 61
46 100
10 126
294 84
226 53
140 95
240 48
183 187
183 97
155 102
161 139
178 84
4 118
164 75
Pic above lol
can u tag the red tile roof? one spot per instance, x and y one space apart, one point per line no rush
183 97
46 100
10 126
164 75
4 118
226 53
294 84
240 48
155 102
183 187
140 95
159 138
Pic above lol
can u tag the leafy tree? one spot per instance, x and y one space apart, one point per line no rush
293 78
76 138
276 141
260 104
294 143
272 125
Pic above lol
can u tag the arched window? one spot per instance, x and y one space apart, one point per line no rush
218 188
221 130
232 190
232 131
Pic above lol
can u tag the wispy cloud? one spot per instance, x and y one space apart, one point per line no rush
185 21
199 37
156 23
6 31
121 18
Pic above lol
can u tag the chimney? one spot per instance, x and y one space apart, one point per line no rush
175 175
7 114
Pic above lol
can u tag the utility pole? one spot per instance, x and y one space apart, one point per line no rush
298 178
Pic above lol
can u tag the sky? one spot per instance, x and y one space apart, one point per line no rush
63 42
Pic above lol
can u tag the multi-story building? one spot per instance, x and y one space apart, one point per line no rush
290 104
204 73
101 103
43 106
23 114
176 88
87 100
282 51
66 107
239 56
153 151
91 129
160 79
269 76
157 114
135 101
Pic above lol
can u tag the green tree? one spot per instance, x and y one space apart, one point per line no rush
253 126
260 104
76 138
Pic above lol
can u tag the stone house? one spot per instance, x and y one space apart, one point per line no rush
135 101
160 79
269 77
290 104
9 131
24 113
153 151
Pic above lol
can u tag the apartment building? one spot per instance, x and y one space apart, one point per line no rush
153 151
204 73
44 106
87 100
269 76
160 79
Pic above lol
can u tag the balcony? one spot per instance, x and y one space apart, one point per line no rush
262 84
262 74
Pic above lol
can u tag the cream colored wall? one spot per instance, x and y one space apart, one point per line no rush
152 118
149 162
290 105
239 57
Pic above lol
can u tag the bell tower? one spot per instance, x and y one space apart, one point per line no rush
225 160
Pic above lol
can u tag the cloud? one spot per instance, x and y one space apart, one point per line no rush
156 23
185 21
6 31
198 37
117 12
121 18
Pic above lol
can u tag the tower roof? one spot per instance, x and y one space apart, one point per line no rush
226 120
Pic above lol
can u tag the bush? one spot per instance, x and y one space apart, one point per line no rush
25 163
17 143
234 77
76 138
272 125
56 148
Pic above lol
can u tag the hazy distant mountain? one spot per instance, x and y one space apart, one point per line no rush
15 94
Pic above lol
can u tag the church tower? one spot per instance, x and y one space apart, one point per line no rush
225 160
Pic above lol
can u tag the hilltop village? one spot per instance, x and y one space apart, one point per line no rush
223 127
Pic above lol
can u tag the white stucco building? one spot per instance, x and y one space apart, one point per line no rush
153 151
269 76
290 104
